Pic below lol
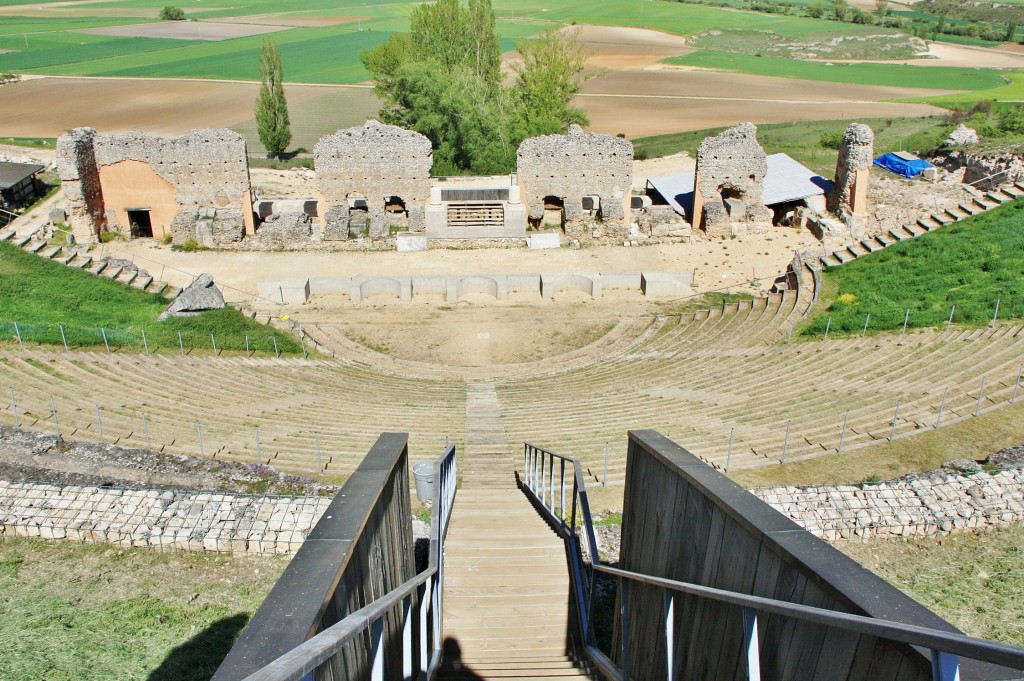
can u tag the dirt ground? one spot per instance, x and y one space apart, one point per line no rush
187 30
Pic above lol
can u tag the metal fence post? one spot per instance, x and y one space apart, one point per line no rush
17 332
277 353
785 443
670 634
63 337
213 341
605 482
145 428
1013 400
199 431
981 397
728 455
246 345
13 407
145 341
892 431
945 667
942 407
842 436
103 332
996 315
950 321
624 628
906 318
750 644
56 423
181 344
866 320
99 422
828 325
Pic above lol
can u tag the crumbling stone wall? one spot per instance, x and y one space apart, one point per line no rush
985 171
205 170
849 195
729 181
80 182
575 165
377 162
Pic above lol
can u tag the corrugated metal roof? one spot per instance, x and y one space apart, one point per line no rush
13 173
787 180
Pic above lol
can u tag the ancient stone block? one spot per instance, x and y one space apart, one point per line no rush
587 173
731 168
849 196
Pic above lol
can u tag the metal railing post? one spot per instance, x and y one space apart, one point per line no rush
906 318
377 649
785 443
996 315
866 320
99 422
1013 400
892 431
828 325
17 332
624 627
407 637
56 423
981 397
246 345
63 338
728 455
842 436
562 503
750 644
181 344
670 635
425 621
103 332
942 407
950 321
13 408
945 667
213 342
145 341
277 353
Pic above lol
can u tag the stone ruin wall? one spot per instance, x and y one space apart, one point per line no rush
575 165
376 161
848 196
80 183
205 173
732 159
986 171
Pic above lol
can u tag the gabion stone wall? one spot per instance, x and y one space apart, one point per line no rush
856 155
380 163
80 182
575 165
207 169
731 163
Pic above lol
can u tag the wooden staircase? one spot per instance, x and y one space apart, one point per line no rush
506 599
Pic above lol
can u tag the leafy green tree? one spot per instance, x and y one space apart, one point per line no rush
549 77
172 14
272 122
840 9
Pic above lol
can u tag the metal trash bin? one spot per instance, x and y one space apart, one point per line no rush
424 474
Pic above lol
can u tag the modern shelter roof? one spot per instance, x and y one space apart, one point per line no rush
13 173
786 180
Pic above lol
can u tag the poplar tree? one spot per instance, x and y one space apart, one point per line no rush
272 123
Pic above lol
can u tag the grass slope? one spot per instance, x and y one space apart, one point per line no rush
976 581
40 295
1012 90
74 611
971 264
894 75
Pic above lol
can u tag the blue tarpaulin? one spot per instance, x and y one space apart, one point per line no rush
906 167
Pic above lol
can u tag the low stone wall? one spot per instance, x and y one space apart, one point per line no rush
913 506
170 519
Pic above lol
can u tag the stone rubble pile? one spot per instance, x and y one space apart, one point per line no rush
171 519
913 506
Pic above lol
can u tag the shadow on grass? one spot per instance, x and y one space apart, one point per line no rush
198 658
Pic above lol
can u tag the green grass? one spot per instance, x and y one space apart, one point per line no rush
73 611
975 581
31 142
971 264
799 139
41 295
1012 91
894 75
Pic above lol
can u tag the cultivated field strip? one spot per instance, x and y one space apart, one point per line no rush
293 402
702 377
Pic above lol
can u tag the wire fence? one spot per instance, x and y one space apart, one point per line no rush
183 342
